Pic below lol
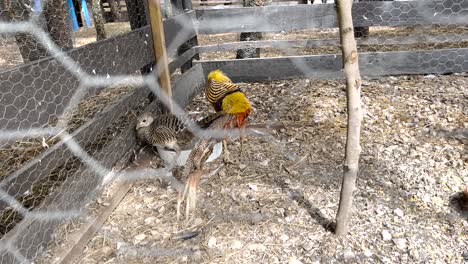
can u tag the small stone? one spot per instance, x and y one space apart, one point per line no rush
139 238
368 253
265 162
398 212
257 247
348 255
452 218
120 245
222 173
294 260
386 236
236 244
212 242
253 186
308 246
242 166
150 219
465 255
414 253
400 243
284 237
106 250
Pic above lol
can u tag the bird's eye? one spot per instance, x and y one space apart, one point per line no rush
144 120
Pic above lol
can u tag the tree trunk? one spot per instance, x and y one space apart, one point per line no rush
98 20
250 36
30 49
115 10
57 16
353 94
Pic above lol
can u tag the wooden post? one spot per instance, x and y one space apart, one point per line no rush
353 94
159 46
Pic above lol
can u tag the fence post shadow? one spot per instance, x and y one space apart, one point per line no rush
314 211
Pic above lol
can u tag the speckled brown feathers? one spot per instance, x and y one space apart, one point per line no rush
160 131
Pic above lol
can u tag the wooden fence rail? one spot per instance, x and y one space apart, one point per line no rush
301 17
329 66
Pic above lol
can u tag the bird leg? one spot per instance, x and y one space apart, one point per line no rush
227 155
241 141
174 161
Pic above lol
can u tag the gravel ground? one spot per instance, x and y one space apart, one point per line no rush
278 203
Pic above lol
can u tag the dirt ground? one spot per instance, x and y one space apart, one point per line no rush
278 204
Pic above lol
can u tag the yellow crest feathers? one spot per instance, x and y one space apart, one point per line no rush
219 76
236 103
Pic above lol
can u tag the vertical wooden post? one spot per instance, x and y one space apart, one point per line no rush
353 94
159 46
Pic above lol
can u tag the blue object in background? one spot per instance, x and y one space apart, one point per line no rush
37 6
73 15
84 9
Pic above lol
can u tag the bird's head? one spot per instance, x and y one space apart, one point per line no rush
144 120
219 76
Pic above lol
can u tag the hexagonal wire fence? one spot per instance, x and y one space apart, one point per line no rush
65 110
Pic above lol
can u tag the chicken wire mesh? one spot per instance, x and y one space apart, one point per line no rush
61 114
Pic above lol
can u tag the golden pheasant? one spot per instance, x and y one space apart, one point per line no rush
227 97
232 108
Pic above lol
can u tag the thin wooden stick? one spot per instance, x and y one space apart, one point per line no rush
353 94
159 46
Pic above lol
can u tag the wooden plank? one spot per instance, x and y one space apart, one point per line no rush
159 46
278 44
300 17
32 236
413 39
188 85
78 240
329 66
216 2
182 59
40 167
234 2
314 43
173 28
